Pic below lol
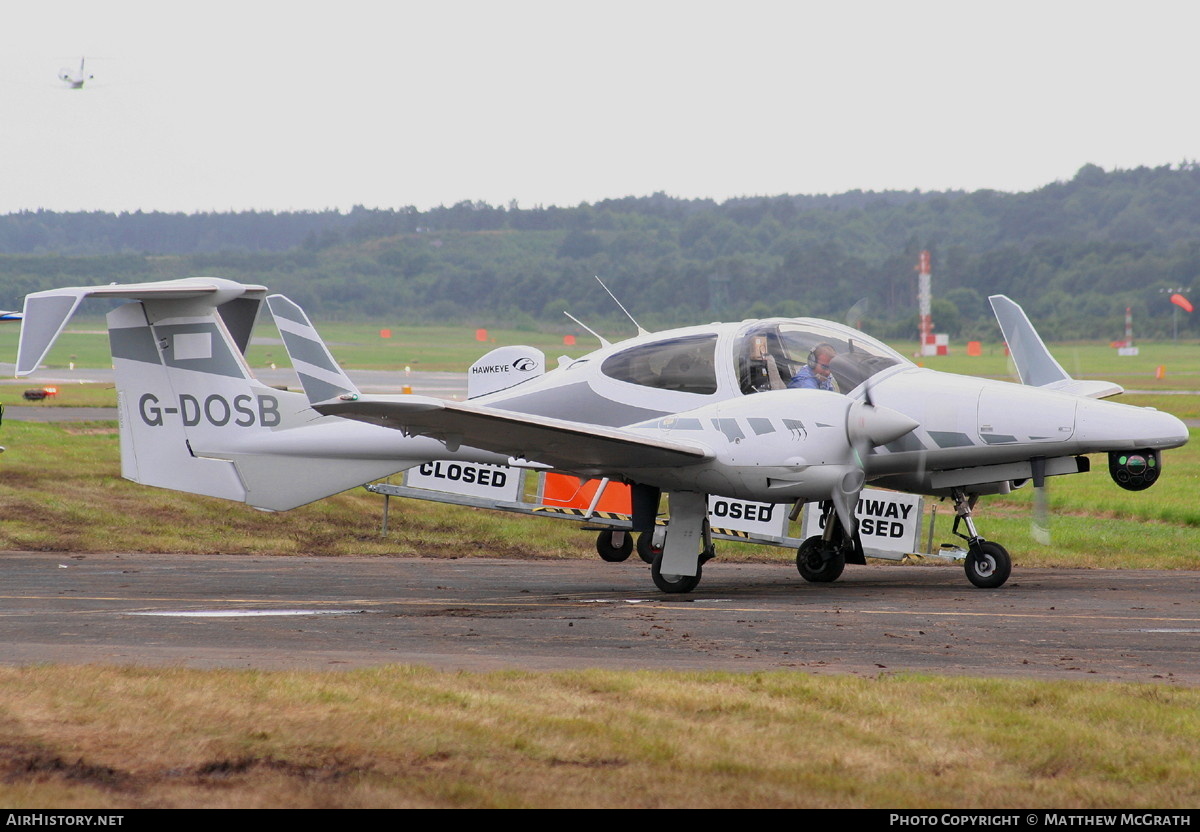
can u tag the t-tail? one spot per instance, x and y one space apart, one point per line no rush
193 417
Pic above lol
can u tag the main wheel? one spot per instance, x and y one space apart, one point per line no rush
646 549
988 564
820 562
673 583
614 546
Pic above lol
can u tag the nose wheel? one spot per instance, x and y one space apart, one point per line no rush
988 563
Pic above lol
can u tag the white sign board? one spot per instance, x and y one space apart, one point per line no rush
756 518
497 482
888 521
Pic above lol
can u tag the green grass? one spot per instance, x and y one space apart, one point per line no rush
61 490
454 348
398 736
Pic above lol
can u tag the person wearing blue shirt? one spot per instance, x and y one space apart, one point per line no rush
815 375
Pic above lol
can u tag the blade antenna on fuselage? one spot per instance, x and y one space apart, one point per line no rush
604 342
623 309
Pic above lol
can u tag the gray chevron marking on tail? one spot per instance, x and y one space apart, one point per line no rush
320 374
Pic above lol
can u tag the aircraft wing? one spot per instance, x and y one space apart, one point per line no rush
1035 365
569 446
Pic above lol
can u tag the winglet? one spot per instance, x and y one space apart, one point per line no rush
1035 365
46 313
319 373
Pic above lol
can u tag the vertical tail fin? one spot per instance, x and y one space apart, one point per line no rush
1035 365
192 416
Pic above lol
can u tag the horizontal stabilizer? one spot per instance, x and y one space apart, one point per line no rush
47 313
1035 365
1090 388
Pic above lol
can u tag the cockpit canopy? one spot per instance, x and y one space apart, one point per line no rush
769 353
763 355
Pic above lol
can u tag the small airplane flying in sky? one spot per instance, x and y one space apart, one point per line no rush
75 78
687 412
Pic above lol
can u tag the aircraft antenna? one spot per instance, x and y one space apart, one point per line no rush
623 309
603 341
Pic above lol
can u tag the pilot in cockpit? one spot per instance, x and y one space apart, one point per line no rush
815 375
763 372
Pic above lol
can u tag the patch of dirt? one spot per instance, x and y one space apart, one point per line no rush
18 764
227 769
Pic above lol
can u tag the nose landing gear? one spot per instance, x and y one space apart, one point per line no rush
988 563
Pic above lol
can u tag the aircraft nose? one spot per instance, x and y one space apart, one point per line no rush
1172 431
1130 427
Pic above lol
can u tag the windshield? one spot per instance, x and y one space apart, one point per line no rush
770 353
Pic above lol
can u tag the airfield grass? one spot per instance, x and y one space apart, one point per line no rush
454 348
402 736
62 491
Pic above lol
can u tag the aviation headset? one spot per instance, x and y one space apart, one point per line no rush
819 348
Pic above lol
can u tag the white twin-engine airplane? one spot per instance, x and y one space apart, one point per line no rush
690 412
75 78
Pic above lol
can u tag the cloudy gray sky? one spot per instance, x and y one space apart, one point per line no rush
292 105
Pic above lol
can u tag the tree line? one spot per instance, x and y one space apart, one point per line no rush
1076 253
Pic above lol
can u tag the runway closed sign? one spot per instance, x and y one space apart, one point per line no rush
888 521
498 482
755 518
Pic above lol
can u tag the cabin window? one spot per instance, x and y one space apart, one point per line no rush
683 364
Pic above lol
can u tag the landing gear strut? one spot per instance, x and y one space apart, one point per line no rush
988 564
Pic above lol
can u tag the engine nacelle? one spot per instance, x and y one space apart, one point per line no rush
1134 470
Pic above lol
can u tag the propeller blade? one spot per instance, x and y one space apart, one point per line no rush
1039 526
867 425
845 496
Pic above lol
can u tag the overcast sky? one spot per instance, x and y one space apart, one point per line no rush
291 106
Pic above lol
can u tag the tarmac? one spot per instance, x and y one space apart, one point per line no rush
209 611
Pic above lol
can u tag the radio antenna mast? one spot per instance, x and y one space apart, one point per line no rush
603 341
623 309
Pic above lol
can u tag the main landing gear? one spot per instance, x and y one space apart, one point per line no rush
676 553
988 564
683 583
821 558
